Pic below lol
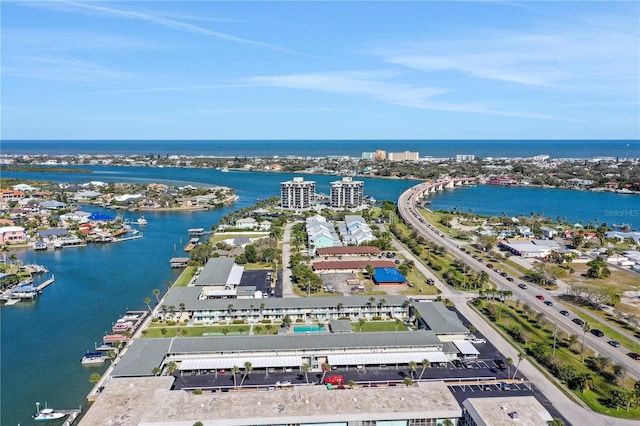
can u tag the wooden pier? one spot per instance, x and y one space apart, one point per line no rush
46 283
117 240
72 416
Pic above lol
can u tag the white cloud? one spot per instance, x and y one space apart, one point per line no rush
376 85
572 59
62 69
158 19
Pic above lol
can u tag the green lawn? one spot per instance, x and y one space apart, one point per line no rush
370 326
185 276
196 331
600 387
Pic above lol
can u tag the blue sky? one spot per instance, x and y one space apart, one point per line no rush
320 70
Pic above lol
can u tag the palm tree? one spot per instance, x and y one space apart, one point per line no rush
509 362
351 384
305 370
413 366
520 356
407 381
361 322
156 371
171 367
156 293
398 322
325 367
586 327
425 364
247 368
146 302
257 329
235 370
381 304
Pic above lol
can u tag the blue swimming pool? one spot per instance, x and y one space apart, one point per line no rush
307 329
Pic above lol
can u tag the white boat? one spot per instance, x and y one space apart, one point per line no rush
94 358
142 220
135 232
47 415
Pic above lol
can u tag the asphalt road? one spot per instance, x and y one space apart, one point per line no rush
573 410
528 296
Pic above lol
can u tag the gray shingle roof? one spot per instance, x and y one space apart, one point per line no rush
302 341
141 357
439 318
215 272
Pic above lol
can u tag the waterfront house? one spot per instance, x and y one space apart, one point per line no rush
12 235
548 232
246 223
53 205
9 195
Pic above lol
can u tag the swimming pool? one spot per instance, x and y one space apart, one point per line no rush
307 329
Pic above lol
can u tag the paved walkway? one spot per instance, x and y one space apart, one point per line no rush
287 286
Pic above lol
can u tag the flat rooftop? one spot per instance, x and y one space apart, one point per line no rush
500 411
150 402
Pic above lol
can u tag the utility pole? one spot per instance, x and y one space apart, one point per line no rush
555 334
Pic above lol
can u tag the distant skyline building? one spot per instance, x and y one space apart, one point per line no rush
403 156
347 193
368 155
381 154
297 194
465 157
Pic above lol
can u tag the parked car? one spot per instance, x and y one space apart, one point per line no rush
564 312
540 297
490 266
596 332
578 321
523 286
614 343
478 340
634 355
334 380
505 386
283 383
500 364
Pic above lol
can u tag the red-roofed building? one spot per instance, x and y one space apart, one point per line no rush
349 250
351 265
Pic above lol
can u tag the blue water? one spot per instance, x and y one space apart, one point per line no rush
322 148
43 341
564 204
306 329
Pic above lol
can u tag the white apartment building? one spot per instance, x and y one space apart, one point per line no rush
403 156
297 194
346 193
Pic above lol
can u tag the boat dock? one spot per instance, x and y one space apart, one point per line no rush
46 283
118 240
72 416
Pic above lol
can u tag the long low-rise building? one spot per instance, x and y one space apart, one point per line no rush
201 310
151 402
211 353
